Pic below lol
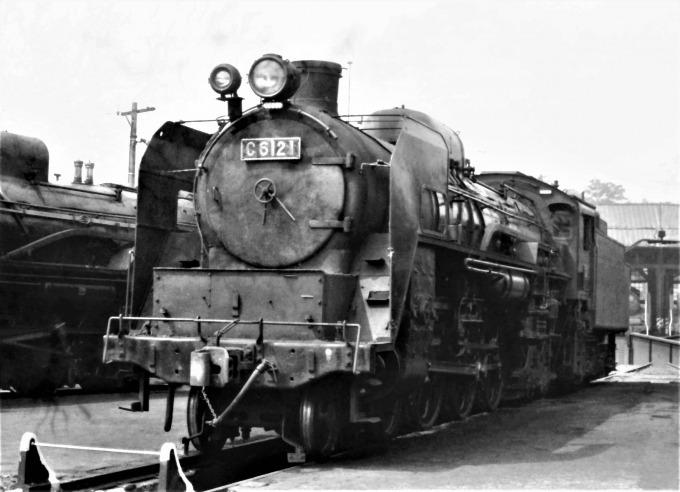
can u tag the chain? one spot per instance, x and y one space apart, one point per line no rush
205 397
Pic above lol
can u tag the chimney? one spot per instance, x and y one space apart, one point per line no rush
319 83
78 177
89 179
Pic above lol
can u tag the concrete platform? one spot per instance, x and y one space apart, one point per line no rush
609 436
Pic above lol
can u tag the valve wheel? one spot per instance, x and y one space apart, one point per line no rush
265 190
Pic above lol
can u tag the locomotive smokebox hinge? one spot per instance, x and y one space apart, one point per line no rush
217 198
345 225
347 161
201 169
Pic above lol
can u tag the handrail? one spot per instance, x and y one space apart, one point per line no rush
240 321
98 213
355 362
129 283
654 339
471 262
58 236
122 318
114 193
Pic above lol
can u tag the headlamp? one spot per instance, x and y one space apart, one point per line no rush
273 78
225 79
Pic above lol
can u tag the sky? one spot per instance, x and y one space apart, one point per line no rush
567 90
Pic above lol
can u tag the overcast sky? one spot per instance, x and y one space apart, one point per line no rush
571 90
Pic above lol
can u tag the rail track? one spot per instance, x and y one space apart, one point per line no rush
172 472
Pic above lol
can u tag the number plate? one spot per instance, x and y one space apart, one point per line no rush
270 149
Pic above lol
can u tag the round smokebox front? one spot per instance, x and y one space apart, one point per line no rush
262 191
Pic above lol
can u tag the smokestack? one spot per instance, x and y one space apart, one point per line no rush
319 83
89 178
78 176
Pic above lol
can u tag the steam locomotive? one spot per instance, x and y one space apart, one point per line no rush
356 273
64 260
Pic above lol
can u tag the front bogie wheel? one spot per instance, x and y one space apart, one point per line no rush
208 439
322 419
391 418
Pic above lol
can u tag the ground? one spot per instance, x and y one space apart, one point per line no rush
606 436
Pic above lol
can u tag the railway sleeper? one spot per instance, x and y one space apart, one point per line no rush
35 474
171 473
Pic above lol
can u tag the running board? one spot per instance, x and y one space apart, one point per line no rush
454 368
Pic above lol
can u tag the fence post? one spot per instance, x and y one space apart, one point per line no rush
171 478
32 468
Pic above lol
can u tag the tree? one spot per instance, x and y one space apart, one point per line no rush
600 193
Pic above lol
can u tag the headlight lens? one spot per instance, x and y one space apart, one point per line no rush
273 78
225 79
222 79
267 77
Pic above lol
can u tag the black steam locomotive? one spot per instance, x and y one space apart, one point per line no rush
64 260
356 273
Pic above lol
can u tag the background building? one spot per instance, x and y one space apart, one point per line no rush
650 233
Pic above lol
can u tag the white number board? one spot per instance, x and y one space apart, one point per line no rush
268 149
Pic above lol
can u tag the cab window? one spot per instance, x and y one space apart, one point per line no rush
562 223
563 218
588 232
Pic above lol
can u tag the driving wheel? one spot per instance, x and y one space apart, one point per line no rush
460 398
426 403
491 389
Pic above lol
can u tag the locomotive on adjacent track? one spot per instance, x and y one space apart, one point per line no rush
64 258
356 272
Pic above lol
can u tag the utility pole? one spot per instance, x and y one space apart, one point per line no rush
133 139
349 85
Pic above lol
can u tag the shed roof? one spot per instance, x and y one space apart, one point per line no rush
631 222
